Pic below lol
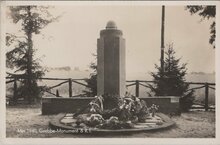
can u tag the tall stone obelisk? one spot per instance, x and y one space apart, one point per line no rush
111 61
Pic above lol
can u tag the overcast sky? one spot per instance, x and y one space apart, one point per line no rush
72 40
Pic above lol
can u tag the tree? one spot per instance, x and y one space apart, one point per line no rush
206 12
171 81
92 81
22 56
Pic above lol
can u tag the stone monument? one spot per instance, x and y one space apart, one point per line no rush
111 61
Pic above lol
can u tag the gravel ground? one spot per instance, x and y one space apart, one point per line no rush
27 122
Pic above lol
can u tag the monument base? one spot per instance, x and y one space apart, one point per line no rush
54 105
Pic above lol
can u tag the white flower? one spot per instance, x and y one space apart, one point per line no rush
92 109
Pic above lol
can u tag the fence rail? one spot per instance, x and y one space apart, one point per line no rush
130 83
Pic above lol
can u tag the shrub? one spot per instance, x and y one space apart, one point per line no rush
186 101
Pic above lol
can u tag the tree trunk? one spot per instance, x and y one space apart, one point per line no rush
29 57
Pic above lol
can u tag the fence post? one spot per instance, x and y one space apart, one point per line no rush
57 94
15 95
70 88
206 96
137 88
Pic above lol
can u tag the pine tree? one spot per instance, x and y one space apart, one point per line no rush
171 80
21 57
92 81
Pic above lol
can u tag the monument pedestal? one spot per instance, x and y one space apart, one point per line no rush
111 62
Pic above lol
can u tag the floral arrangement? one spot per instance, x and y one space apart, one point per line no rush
127 110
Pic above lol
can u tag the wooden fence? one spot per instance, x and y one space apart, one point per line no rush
68 81
136 83
205 85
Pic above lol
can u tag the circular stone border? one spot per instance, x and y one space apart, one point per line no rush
55 124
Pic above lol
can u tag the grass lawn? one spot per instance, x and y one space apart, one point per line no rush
27 121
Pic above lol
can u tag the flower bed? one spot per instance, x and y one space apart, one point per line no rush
128 113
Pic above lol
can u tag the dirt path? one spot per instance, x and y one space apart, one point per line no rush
27 122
